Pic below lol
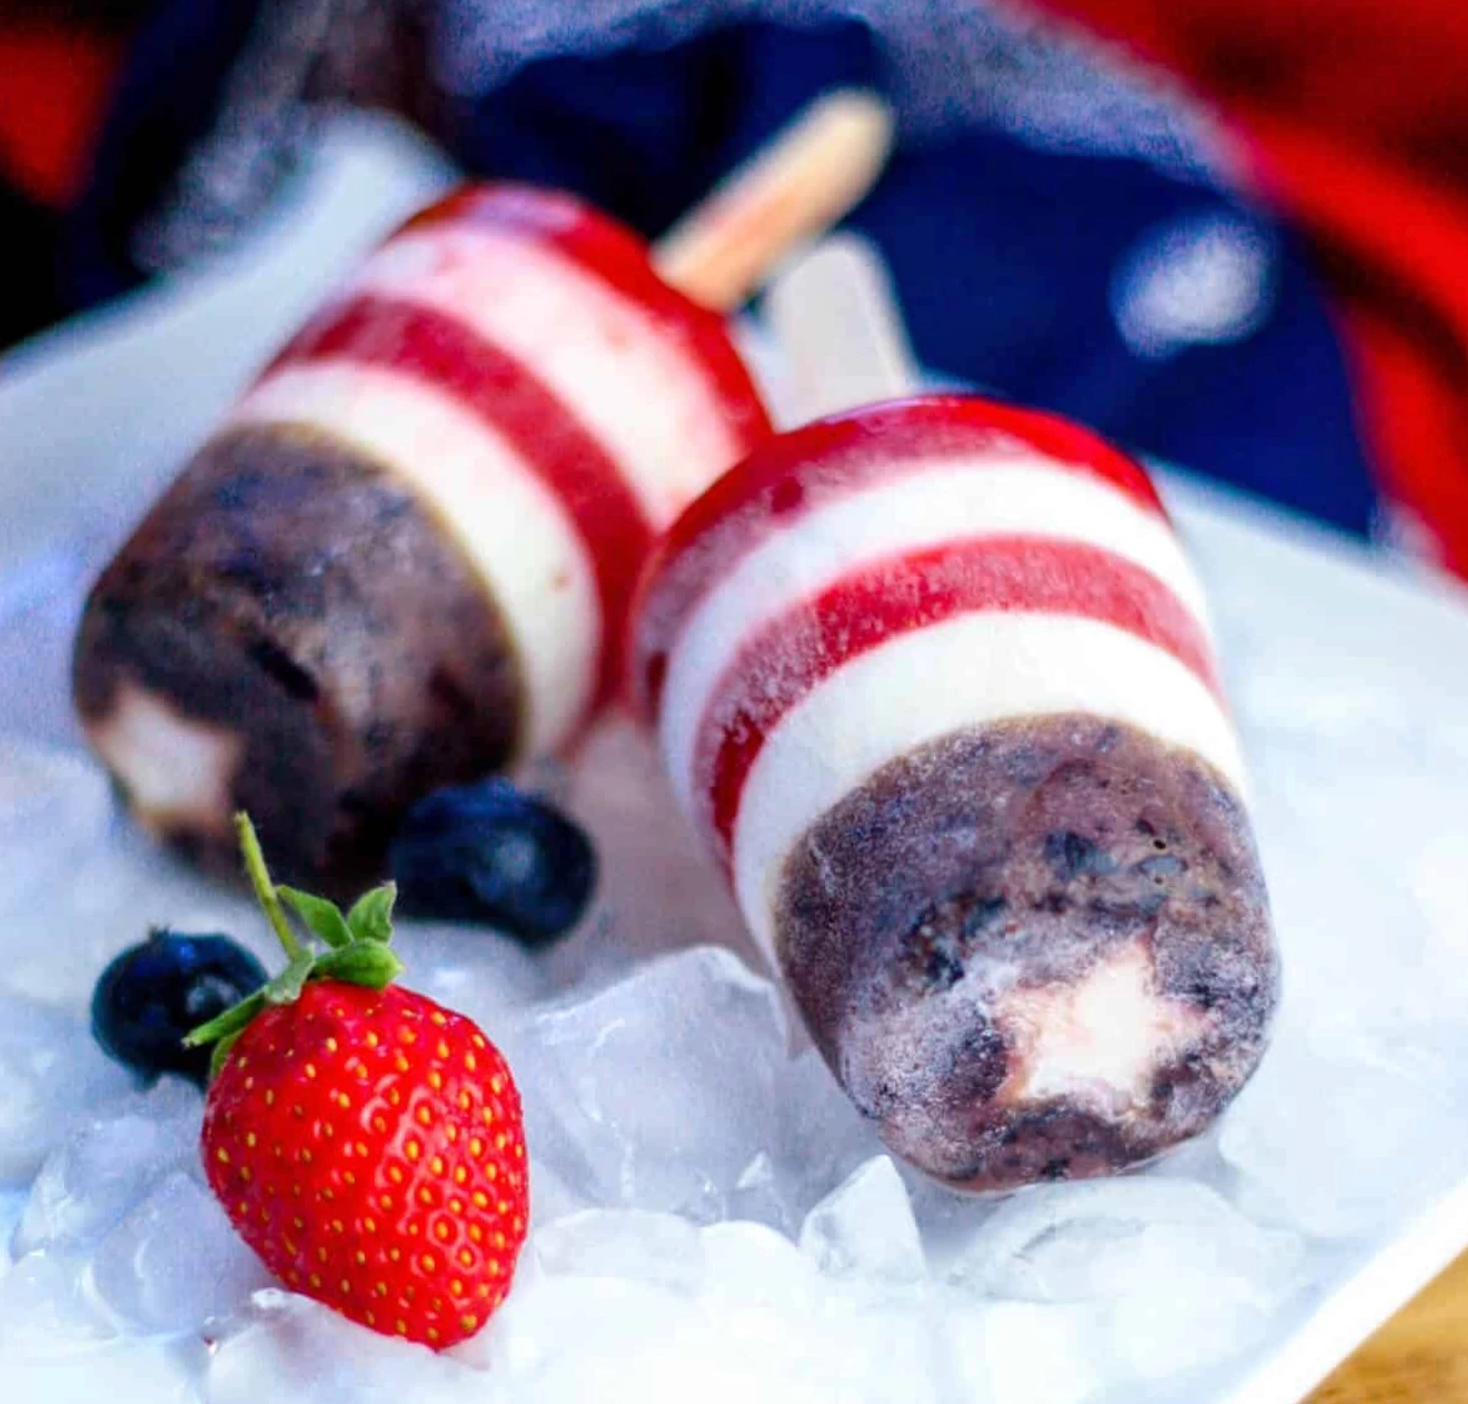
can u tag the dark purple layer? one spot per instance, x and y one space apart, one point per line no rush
297 597
1018 857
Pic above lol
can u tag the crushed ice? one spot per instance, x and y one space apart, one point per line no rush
709 1214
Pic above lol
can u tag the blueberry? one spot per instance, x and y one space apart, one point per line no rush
489 854
151 995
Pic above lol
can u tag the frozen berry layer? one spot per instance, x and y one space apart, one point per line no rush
1034 949
289 632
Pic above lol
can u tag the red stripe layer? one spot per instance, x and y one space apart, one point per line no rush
619 257
796 472
543 431
794 653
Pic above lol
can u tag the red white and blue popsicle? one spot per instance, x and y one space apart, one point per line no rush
935 680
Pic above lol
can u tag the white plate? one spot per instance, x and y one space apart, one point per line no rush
1350 681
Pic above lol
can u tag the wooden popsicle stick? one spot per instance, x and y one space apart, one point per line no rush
836 320
792 191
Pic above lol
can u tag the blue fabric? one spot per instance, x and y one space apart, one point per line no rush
1007 258
1004 259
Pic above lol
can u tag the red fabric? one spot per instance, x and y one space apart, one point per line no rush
56 83
1354 117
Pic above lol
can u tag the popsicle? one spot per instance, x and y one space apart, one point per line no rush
935 680
405 557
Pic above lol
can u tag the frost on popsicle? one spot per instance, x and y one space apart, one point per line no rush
936 682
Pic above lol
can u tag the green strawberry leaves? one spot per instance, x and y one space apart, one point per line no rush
369 920
229 1025
357 949
371 916
285 988
323 917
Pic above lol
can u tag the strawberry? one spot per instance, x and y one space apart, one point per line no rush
364 1141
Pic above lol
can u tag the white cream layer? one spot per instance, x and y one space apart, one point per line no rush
178 770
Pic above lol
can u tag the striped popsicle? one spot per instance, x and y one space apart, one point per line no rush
936 682
405 556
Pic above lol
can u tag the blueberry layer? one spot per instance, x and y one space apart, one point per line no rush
1037 949
294 601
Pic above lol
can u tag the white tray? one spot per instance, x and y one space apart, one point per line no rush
1340 665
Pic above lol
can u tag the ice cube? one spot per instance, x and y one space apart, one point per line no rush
1174 1276
870 1343
1075 1242
59 1346
285 1347
816 1337
877 1339
1189 1300
108 1164
561 1337
752 1266
479 972
865 1228
551 1198
565 1340
1316 1138
1348 750
1022 1352
12 1206
52 1075
175 1261
45 1310
757 1194
626 1306
628 1243
1332 900
821 1138
656 1092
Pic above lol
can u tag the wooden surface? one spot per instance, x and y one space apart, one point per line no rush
1419 1357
